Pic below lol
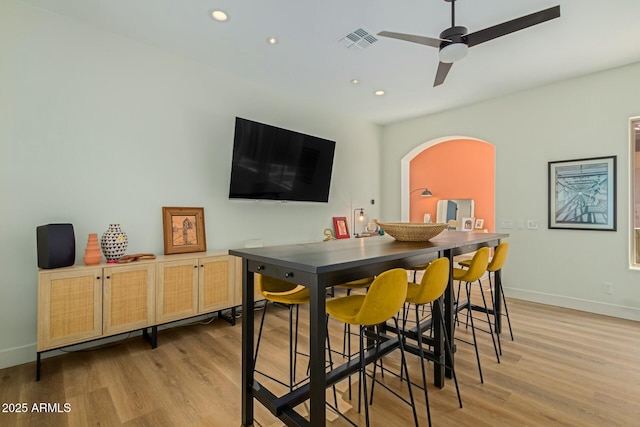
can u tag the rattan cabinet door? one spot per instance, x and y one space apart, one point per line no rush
129 297
216 290
69 306
177 290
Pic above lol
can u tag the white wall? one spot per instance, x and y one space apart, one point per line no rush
578 118
96 129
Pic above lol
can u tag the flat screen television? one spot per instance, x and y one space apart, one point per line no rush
278 164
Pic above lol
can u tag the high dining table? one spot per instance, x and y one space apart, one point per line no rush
320 265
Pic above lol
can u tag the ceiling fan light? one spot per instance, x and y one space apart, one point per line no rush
453 52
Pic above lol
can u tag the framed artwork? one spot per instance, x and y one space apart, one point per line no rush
467 224
340 226
183 230
582 194
479 223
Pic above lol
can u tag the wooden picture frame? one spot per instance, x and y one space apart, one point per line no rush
479 223
183 230
582 194
467 224
341 227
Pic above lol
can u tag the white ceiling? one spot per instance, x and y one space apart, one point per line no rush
309 61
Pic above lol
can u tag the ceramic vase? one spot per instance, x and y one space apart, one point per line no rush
114 243
92 254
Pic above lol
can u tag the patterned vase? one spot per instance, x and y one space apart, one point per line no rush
114 243
92 254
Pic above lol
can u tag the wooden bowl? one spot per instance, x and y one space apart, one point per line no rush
412 231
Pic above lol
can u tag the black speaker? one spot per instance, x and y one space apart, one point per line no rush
56 245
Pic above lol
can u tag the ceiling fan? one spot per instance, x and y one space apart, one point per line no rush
454 42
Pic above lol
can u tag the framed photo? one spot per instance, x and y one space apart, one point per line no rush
341 227
183 230
582 194
479 223
467 224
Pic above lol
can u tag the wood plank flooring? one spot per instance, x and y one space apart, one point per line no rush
564 368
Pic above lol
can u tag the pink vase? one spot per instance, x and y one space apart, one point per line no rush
92 254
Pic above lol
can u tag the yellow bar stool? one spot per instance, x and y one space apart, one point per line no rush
430 290
351 286
382 302
291 295
477 267
497 262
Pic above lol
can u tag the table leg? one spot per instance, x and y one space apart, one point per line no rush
247 344
448 310
497 301
317 332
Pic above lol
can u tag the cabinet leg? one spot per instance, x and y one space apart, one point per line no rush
229 318
38 366
153 338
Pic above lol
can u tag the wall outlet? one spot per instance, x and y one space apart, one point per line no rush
507 223
532 224
607 288
520 223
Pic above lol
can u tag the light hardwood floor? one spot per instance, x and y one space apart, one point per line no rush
564 368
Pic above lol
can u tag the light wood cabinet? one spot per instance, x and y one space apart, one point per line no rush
176 290
82 303
129 295
216 283
190 286
69 307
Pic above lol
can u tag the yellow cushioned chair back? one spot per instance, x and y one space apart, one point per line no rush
478 265
499 257
434 281
384 299
270 284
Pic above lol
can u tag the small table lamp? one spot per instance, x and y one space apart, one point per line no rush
358 218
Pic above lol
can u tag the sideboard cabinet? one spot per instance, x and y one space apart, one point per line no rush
83 303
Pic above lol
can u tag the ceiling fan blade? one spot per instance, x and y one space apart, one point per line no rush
411 38
441 74
512 26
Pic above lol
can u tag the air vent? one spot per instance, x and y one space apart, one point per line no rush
358 39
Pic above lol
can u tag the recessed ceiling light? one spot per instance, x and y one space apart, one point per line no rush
378 93
355 81
219 15
272 40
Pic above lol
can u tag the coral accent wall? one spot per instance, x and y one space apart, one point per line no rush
454 169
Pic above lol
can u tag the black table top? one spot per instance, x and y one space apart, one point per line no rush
335 255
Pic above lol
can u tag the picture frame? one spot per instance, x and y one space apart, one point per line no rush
341 227
467 224
184 230
479 224
583 194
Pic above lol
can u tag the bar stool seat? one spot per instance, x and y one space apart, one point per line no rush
386 296
429 291
292 295
477 267
495 264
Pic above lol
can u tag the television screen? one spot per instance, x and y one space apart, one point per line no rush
279 164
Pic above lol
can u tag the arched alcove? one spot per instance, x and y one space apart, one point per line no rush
455 167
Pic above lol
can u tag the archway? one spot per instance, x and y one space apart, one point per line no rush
454 167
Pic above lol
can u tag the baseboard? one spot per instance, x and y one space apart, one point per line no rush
17 355
613 310
26 354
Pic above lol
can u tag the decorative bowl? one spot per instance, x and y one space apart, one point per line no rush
412 231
